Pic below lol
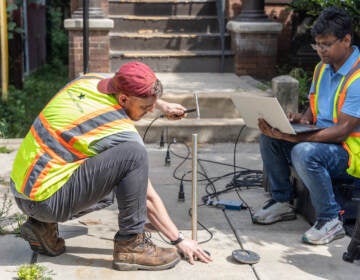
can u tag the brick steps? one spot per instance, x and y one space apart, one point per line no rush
175 61
161 7
166 41
170 35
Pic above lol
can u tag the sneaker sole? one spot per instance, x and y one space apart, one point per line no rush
29 234
324 241
282 218
134 266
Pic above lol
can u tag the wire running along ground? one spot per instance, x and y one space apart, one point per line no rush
239 178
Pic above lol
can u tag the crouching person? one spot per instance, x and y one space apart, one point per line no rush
81 151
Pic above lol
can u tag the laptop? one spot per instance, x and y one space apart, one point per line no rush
253 107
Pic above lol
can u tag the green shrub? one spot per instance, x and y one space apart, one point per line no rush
313 8
304 78
22 107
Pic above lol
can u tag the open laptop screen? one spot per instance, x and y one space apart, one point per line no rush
253 107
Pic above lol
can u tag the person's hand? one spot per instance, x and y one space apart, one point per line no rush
297 118
172 111
268 130
192 251
272 132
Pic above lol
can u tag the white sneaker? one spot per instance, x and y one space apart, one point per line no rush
273 212
323 232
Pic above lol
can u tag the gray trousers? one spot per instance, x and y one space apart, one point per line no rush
121 171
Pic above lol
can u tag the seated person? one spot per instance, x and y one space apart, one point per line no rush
333 152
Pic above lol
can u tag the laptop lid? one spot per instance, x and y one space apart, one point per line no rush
253 107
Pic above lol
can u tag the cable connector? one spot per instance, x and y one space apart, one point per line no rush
167 158
227 204
181 195
162 142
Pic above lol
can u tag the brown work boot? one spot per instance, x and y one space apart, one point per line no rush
140 253
43 237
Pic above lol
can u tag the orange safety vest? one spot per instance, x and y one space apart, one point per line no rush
352 143
61 136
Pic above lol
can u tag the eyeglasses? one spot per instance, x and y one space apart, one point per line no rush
323 46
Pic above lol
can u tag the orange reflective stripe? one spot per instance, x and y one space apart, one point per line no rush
319 71
312 106
58 138
346 147
88 117
31 167
46 148
35 161
99 129
39 180
347 84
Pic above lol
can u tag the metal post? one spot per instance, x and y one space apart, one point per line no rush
194 187
26 38
4 52
252 10
85 36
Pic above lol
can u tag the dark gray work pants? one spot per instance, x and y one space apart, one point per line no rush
121 171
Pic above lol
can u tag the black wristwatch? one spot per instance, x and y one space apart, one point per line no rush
177 241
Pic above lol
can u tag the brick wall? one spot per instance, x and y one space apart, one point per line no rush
99 48
99 44
263 45
276 10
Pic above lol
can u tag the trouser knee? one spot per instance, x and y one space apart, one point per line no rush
302 155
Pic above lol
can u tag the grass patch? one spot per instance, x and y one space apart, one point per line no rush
5 150
34 272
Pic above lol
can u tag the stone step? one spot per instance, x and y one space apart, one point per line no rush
219 120
165 24
211 105
162 7
176 61
208 130
167 41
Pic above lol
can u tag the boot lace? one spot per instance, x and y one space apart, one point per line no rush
146 240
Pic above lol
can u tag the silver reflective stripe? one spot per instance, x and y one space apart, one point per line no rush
94 123
39 166
53 143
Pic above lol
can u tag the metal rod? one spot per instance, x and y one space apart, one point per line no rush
197 106
194 187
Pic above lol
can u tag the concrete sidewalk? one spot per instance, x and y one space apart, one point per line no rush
282 255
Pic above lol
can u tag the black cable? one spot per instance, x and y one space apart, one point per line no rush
148 127
244 177
240 178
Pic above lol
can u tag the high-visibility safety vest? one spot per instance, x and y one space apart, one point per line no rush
61 136
352 143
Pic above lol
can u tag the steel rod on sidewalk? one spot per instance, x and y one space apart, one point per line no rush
194 187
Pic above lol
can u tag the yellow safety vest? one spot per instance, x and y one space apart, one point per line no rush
352 143
61 136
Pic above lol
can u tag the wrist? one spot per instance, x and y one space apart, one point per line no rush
160 104
178 240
